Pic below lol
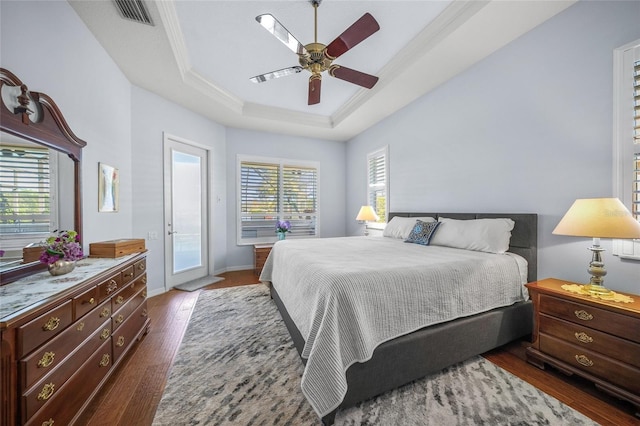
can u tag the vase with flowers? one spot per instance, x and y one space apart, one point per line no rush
282 227
61 252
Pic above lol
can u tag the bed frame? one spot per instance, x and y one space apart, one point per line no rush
429 350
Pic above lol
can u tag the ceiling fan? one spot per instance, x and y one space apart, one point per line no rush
316 57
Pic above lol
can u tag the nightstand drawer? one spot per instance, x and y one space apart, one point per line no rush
585 337
599 319
592 363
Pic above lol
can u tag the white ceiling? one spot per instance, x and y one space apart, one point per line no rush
201 54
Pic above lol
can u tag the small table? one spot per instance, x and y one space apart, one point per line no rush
260 254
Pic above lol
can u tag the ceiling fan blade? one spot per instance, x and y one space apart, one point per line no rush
353 76
276 74
358 31
315 82
272 25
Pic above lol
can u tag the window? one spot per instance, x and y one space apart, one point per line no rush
378 182
627 138
27 193
271 189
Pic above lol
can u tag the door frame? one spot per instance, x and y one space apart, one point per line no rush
208 256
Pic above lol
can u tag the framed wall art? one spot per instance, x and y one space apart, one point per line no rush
108 188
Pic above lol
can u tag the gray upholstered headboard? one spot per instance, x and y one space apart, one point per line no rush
524 237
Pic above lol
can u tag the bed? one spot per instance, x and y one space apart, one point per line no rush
410 355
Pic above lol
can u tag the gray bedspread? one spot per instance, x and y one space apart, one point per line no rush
349 295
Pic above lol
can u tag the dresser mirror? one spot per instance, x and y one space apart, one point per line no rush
40 174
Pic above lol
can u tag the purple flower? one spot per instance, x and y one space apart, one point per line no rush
283 226
64 247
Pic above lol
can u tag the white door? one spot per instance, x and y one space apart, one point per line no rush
186 211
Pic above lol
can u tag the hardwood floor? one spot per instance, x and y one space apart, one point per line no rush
131 396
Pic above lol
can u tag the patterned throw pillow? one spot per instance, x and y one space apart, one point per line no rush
422 232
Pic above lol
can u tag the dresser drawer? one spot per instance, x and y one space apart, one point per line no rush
618 373
123 313
108 287
51 354
606 344
39 394
66 401
599 319
85 302
122 297
126 334
127 275
43 328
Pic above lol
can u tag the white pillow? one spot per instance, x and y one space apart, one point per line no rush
400 227
488 235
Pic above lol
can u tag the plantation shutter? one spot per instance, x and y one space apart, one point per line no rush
635 196
275 191
377 193
25 190
300 198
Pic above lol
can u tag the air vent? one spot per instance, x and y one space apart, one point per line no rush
134 10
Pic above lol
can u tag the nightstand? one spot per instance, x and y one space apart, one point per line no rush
260 254
593 338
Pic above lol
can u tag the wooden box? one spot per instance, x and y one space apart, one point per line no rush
116 248
31 254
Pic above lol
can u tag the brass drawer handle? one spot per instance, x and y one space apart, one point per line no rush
144 294
120 342
144 313
46 359
142 266
105 313
90 301
144 279
119 319
119 300
105 334
46 392
128 275
582 359
80 326
52 324
49 422
105 360
113 286
583 337
583 315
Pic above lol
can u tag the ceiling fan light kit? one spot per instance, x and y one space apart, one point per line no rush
316 57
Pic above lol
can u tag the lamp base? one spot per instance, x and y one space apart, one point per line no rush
597 290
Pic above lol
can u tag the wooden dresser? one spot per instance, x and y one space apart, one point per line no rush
578 334
260 254
58 352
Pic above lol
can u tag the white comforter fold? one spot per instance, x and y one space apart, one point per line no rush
349 295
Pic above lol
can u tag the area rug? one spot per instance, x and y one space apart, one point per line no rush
237 366
199 283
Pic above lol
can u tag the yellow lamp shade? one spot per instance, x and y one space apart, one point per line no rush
598 218
367 214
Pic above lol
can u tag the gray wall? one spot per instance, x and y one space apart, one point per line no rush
332 193
528 129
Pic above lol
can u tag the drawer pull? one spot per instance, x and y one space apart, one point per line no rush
119 300
46 392
46 360
90 301
144 279
119 319
582 359
49 422
105 313
144 313
105 334
144 294
52 324
583 337
129 275
583 315
105 360
120 342
141 266
80 326
112 286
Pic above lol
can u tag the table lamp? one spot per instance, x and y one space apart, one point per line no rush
366 214
598 218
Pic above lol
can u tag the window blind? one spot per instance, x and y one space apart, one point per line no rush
635 181
377 187
276 191
25 190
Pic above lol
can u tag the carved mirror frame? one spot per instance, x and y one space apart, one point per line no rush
35 117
